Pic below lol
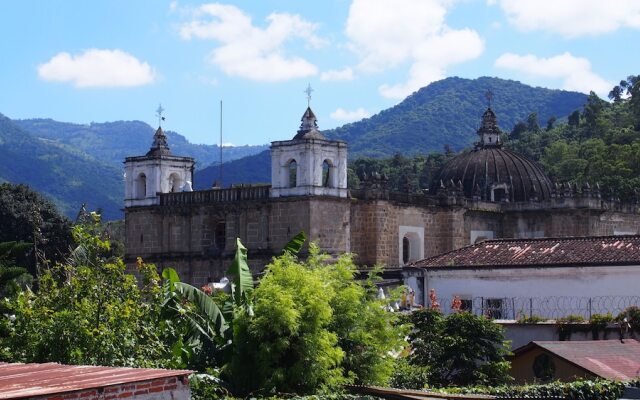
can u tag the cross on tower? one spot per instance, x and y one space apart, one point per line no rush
308 91
159 114
489 96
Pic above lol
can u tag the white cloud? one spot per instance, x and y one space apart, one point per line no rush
572 18
348 116
251 52
387 33
173 6
345 74
574 71
97 68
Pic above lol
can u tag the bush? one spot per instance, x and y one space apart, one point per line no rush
459 349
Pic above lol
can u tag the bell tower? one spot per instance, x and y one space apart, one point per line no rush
309 164
156 172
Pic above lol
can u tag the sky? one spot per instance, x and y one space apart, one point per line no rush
106 60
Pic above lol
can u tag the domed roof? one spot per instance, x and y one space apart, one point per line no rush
492 173
159 147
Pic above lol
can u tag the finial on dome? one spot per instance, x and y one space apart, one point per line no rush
308 91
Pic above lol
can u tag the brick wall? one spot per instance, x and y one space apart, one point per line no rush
172 388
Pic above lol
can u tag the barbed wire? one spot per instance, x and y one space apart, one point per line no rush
552 307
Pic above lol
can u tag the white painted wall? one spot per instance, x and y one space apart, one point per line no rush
415 234
159 174
309 154
529 282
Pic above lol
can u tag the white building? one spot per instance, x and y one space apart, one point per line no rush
547 277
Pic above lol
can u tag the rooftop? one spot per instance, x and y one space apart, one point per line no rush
592 250
610 359
22 381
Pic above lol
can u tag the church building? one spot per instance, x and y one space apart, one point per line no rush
485 193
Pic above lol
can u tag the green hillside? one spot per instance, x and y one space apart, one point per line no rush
111 142
445 113
69 178
448 112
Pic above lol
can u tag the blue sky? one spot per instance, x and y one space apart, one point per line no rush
83 61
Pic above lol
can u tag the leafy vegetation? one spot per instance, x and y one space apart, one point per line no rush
579 390
598 145
314 328
459 349
27 216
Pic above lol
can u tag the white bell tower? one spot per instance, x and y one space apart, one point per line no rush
156 172
309 164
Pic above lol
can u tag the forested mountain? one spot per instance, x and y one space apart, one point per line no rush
448 112
111 142
597 145
69 178
444 114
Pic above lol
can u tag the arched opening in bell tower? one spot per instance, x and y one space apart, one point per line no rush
141 186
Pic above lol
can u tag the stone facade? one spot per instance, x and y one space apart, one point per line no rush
195 231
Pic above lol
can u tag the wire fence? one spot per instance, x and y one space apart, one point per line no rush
552 307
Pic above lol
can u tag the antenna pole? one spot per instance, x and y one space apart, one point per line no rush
220 171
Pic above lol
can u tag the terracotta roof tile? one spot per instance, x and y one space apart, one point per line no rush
610 359
593 250
18 381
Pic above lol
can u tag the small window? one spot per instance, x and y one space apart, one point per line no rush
406 248
293 173
175 183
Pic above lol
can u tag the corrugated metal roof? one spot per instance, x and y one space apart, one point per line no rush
593 250
19 381
610 359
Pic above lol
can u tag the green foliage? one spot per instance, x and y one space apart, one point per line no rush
534 319
314 329
600 145
295 245
459 349
11 275
242 278
409 376
27 216
632 314
89 312
599 389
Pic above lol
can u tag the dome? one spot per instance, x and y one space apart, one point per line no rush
492 173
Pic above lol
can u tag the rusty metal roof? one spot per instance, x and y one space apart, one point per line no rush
610 359
592 250
20 381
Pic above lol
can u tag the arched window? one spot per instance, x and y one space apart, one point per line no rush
141 186
406 249
326 174
175 183
293 173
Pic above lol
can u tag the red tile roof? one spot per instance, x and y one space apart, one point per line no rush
592 250
21 381
610 359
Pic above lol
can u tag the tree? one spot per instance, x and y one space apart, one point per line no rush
27 216
89 311
460 349
315 327
532 122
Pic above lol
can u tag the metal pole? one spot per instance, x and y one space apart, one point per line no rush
530 307
220 171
